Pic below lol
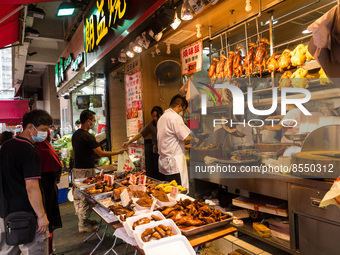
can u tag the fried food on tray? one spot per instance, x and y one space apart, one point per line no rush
144 202
138 194
119 209
155 218
161 195
141 221
188 213
91 179
168 186
117 192
100 187
157 232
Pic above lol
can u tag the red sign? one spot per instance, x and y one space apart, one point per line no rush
142 180
133 179
192 58
174 192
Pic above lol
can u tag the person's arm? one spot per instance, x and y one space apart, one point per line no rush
34 196
102 153
135 138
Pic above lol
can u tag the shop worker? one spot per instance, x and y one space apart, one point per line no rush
150 128
86 149
172 134
20 174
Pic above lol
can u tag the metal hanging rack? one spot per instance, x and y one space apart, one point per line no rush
270 29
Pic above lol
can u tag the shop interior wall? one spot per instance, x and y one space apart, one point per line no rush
66 126
117 111
51 102
152 93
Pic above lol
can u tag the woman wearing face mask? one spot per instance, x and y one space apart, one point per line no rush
50 175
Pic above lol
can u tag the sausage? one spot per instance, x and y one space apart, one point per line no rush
155 218
160 231
156 235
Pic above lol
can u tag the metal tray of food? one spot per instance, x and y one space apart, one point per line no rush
254 159
107 168
80 185
200 229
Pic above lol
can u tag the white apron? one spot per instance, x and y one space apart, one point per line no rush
174 165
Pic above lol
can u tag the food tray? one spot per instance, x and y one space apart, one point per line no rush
235 162
171 202
80 185
105 202
140 229
178 245
107 168
129 221
200 229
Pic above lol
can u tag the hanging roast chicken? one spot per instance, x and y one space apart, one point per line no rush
284 60
272 63
228 66
248 65
220 68
285 81
212 70
260 56
237 62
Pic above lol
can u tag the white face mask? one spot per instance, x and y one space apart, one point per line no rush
41 136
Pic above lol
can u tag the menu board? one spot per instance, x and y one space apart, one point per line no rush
192 58
133 96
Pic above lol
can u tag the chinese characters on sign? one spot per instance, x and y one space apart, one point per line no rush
105 17
63 64
133 95
191 58
137 150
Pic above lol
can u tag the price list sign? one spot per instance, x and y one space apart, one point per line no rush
191 58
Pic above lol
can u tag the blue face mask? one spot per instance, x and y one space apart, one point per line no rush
41 136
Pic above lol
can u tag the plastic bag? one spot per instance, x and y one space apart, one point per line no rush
125 163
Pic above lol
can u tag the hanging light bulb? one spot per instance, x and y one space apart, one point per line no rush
176 21
157 51
130 52
137 45
122 56
248 6
186 12
168 50
199 34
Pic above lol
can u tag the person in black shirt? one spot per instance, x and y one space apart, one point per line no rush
20 174
85 150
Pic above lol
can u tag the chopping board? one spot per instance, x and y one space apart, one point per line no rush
319 164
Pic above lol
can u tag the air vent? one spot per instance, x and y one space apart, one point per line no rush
180 37
308 19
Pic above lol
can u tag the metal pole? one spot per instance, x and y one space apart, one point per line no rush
271 43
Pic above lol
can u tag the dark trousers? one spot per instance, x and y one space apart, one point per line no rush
169 178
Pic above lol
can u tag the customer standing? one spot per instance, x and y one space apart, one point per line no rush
50 176
150 128
172 134
6 135
20 172
85 150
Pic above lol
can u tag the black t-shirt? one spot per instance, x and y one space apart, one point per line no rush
19 161
151 128
83 144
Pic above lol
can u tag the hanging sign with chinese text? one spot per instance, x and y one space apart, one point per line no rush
109 22
63 64
191 58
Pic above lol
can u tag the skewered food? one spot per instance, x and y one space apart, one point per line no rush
298 78
261 55
285 81
228 66
299 55
272 63
237 62
248 65
285 60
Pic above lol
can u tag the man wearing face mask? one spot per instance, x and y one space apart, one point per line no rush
150 128
172 134
20 174
85 149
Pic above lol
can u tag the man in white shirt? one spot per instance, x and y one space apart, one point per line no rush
172 134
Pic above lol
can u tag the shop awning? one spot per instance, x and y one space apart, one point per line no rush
10 20
11 111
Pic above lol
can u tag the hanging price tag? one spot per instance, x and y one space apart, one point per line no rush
142 180
174 192
101 172
133 179
109 178
124 196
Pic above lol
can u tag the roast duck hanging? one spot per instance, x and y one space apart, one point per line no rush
220 68
248 65
237 62
228 66
212 70
261 55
